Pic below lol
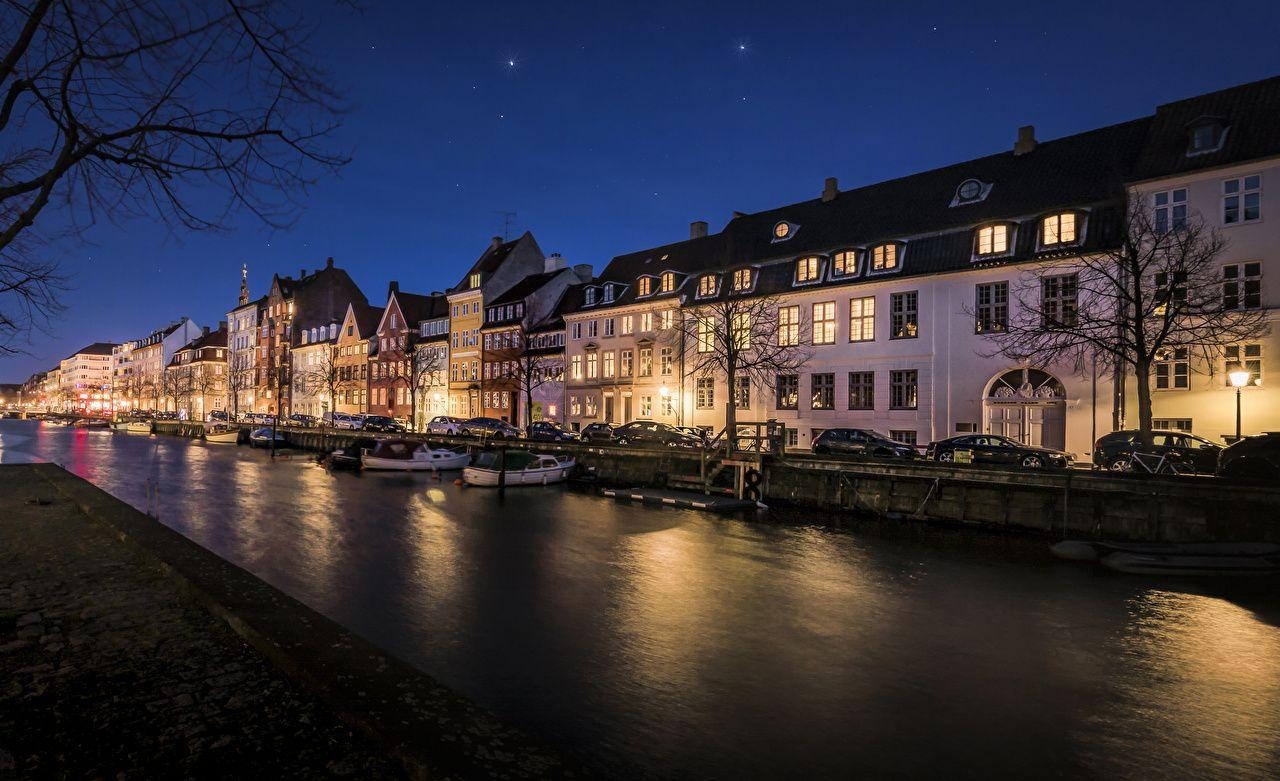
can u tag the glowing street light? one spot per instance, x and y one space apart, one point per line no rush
1239 377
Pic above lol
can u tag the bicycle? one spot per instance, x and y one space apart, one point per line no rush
1158 464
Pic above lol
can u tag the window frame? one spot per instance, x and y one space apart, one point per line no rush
1241 195
865 384
904 381
910 316
850 269
899 250
1077 223
1009 231
1242 281
803 264
866 320
828 387
996 312
828 322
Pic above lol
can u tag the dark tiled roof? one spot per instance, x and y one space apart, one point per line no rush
367 318
416 308
526 287
97 348
216 338
320 298
491 258
1251 113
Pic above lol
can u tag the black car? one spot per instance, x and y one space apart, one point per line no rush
488 428
1113 451
650 433
381 424
549 431
1255 458
861 442
219 415
597 432
995 450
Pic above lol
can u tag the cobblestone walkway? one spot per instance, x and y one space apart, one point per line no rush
107 671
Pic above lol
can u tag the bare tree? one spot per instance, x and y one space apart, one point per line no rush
204 382
171 386
425 371
121 108
1158 295
528 368
738 337
239 379
324 375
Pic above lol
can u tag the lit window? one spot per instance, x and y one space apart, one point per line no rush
706 334
628 324
993 240
992 307
824 323
1059 229
707 285
705 393
1241 200
742 279
644 286
788 326
646 321
822 391
781 231
666 319
862 319
593 366
668 282
741 329
474 281
884 257
844 263
575 367
806 269
904 315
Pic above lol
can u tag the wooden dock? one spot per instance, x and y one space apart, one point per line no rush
685 499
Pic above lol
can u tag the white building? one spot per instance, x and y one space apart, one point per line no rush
85 378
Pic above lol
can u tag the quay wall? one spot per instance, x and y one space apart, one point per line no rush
1062 503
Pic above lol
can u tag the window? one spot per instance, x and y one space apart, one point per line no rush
741 330
608 294
589 296
664 361
1170 210
644 286
593 366
905 436
862 390
1058 300
1058 229
884 257
788 326
668 282
474 281
608 364
903 315
1206 136
902 389
806 269
1247 355
844 263
487 341
706 285
591 406
593 329
625 363
823 387
782 231
1241 199
575 406
824 323
608 327
666 319
992 307
646 406
575 367
646 361
992 240
742 279
628 324
646 321
668 405
862 319
742 392
576 330
1172 424
705 393
787 387
1170 287
1242 286
1173 372
706 334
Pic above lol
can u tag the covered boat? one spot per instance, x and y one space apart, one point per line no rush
407 456
222 434
261 437
521 468
348 457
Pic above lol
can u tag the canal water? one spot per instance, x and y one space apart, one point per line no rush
666 643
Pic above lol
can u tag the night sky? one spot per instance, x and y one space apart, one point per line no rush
608 129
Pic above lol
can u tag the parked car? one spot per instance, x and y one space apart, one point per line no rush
650 433
860 442
380 424
997 451
597 432
1255 458
549 431
489 428
444 424
305 421
341 420
218 416
702 435
1113 451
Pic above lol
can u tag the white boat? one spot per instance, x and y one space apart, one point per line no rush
91 423
521 468
138 427
222 435
407 456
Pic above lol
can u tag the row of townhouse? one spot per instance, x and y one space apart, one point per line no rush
898 292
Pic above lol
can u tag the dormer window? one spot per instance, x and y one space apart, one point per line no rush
589 296
608 293
1205 134
668 282
742 279
844 263
644 286
474 281
884 257
1058 229
807 270
971 191
706 285
992 240
784 230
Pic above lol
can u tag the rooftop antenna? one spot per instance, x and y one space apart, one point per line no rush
507 219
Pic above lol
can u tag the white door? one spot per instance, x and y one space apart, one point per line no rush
1005 420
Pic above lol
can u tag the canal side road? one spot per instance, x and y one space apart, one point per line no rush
127 651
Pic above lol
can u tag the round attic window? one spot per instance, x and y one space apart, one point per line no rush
969 189
782 230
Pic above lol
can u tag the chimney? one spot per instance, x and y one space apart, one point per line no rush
222 325
302 272
583 272
830 190
393 288
495 242
698 229
553 263
328 263
204 331
1026 140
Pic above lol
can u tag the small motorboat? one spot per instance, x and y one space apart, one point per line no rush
261 437
408 456
521 468
348 457
91 423
137 427
222 434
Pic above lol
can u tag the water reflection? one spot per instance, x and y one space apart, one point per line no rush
670 643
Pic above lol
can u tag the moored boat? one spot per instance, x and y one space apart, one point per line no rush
1096 550
1190 564
222 434
138 427
520 467
261 437
408 456
91 423
348 456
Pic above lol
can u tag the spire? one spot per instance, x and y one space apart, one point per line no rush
244 284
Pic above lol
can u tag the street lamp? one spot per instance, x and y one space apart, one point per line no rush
1239 377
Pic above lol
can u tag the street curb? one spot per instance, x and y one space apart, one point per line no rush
432 731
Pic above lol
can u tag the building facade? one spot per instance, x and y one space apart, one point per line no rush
398 373
351 357
197 373
85 378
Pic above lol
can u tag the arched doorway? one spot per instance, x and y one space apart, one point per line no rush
1028 405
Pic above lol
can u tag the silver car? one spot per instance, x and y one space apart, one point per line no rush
444 424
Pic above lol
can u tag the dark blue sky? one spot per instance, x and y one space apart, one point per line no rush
622 122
